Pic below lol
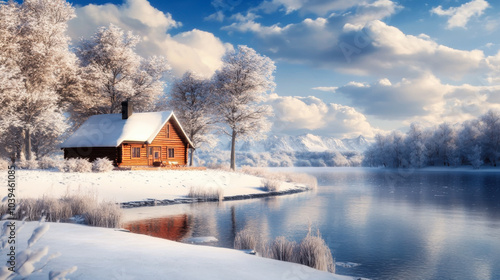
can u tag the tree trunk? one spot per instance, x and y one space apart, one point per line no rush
233 142
191 158
27 145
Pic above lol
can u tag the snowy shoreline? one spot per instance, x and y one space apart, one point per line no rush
101 253
165 202
145 188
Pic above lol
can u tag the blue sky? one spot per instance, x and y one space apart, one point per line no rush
344 67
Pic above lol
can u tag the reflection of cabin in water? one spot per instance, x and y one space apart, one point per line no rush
131 139
171 228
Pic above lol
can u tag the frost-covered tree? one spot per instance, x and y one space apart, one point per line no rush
38 54
112 72
191 99
239 88
442 147
415 146
468 139
490 140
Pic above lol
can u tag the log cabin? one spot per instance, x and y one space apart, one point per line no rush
131 139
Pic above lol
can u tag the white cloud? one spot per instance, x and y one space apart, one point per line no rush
460 16
351 45
194 50
297 115
318 7
423 99
217 16
330 89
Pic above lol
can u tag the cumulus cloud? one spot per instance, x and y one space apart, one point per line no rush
361 45
297 115
194 50
460 16
424 99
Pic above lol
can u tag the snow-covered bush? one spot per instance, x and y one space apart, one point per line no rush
270 185
245 240
28 164
76 165
206 193
102 165
4 164
313 252
49 162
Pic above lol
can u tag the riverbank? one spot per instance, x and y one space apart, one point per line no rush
146 188
101 253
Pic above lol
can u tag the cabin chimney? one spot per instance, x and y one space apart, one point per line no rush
127 109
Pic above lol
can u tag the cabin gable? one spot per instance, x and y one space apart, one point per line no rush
167 146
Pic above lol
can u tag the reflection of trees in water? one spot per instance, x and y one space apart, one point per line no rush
172 228
204 223
449 190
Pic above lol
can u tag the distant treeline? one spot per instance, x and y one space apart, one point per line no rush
474 142
283 159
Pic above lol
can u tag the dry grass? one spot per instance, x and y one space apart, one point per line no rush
101 214
282 249
206 193
313 252
246 240
270 185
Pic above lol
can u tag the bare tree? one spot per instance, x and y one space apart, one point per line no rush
190 98
239 89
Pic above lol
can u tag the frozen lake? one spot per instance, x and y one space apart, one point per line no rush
395 224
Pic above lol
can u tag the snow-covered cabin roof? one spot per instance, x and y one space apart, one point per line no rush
110 130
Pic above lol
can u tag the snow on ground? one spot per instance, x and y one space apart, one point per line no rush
135 185
101 253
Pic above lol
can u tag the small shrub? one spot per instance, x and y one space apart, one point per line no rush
102 165
76 165
206 193
28 164
48 163
270 185
282 249
314 252
245 240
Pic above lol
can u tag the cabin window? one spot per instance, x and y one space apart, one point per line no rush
136 152
171 153
168 131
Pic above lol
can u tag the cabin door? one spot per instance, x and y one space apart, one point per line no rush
154 155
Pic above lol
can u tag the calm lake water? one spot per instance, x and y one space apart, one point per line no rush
395 224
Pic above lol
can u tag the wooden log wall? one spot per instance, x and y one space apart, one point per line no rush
174 141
